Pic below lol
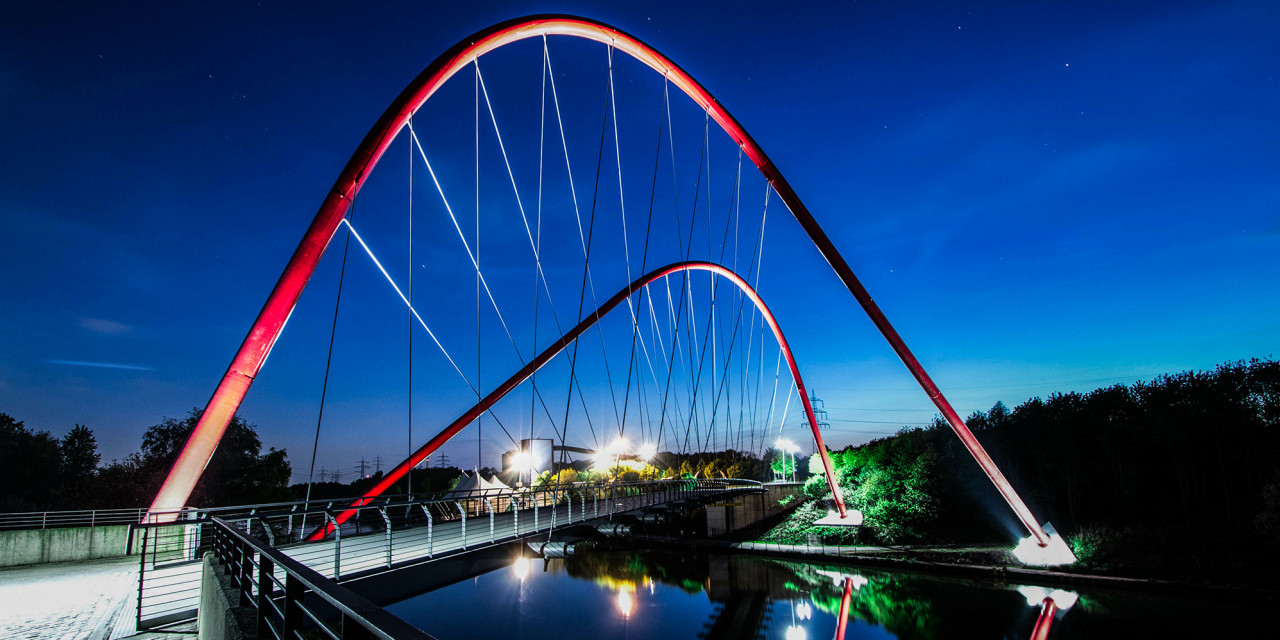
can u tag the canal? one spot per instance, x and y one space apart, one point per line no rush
650 595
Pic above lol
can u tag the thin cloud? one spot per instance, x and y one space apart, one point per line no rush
108 327
100 365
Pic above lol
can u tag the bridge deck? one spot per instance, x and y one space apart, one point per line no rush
171 591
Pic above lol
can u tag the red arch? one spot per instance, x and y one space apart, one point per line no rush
567 339
270 321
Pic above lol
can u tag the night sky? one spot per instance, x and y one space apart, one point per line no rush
1040 196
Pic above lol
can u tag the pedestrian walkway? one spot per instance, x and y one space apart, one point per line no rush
67 600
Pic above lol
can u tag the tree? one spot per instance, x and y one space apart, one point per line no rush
238 473
79 453
30 467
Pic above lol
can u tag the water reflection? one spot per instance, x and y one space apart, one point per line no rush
651 595
521 567
625 602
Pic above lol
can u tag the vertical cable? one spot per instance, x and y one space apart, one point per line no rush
409 475
324 389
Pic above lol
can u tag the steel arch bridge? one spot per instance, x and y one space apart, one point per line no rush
334 210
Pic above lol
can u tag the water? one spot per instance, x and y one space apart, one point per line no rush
643 596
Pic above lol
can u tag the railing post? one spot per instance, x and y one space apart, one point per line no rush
265 587
337 545
386 521
293 591
515 516
464 523
246 571
427 511
352 630
489 501
535 511
142 573
271 536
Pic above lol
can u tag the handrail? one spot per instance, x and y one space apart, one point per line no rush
69 518
320 507
236 551
403 533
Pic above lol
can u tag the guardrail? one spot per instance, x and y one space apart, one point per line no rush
281 602
383 534
62 519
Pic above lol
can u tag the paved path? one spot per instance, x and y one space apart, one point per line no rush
66 600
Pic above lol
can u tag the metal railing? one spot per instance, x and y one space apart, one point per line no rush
62 519
387 533
276 587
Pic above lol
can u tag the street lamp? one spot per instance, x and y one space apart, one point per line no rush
522 462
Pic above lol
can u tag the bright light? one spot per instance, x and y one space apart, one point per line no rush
853 518
787 445
795 632
647 451
1036 595
617 446
521 567
625 603
1029 551
804 611
522 461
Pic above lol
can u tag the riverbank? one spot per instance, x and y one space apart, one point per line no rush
975 561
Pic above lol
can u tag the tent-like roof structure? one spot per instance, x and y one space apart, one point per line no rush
473 485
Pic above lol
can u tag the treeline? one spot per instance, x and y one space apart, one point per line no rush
715 464
39 472
1176 477
429 480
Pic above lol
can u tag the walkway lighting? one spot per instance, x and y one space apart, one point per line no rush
647 451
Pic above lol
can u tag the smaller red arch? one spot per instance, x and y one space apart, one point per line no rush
552 351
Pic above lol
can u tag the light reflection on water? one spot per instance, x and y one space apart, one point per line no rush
664 596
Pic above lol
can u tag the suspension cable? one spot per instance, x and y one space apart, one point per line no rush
409 323
328 360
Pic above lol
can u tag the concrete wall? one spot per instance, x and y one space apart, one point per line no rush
220 617
747 510
38 546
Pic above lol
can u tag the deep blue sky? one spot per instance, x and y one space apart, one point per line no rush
1041 196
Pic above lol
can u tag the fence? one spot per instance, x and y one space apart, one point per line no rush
276 587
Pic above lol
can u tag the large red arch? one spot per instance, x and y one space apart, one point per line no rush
270 321
567 339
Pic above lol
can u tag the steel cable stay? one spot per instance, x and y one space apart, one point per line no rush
499 392
644 262
472 256
702 419
409 323
333 332
414 312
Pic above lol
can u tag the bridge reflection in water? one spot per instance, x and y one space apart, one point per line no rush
641 595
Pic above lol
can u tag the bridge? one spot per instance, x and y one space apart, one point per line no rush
394 532
685 363
700 411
